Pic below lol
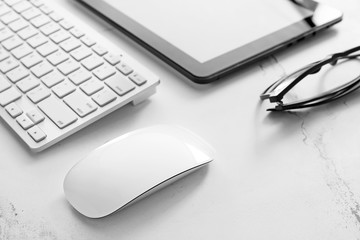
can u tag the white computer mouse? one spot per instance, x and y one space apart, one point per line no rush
132 166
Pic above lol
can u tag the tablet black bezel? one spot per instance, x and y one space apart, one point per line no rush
323 17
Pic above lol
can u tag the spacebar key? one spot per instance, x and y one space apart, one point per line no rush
57 111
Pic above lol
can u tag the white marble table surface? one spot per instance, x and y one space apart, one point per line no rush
275 176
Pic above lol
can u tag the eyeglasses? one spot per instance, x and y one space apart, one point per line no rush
276 92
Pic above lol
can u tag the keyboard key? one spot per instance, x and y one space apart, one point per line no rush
92 62
27 84
104 71
52 78
113 59
37 40
81 53
21 6
76 32
49 28
120 84
59 36
57 57
55 17
11 2
80 76
8 96
104 97
4 84
41 69
100 50
47 49
24 122
88 41
68 66
31 60
9 17
40 21
80 103
70 44
17 74
3 54
124 68
36 134
13 110
58 112
64 88
91 86
66 24
36 3
38 94
4 9
31 13
8 64
18 25
21 51
5 34
35 116
46 9
137 78
12 43
27 32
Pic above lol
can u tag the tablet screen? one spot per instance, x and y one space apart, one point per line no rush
206 29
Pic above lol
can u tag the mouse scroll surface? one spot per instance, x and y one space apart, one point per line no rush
121 171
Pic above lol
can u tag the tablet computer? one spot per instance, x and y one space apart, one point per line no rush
207 39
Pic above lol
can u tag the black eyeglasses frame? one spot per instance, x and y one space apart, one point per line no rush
328 96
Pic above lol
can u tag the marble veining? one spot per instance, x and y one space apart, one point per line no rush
343 195
14 227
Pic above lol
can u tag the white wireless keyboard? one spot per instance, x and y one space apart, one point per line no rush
58 75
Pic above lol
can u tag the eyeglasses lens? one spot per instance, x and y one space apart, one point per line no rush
326 81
